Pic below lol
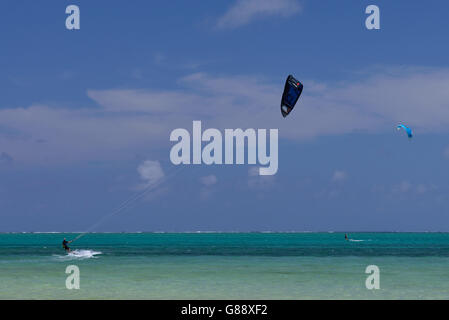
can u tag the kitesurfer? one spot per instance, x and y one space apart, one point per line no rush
65 243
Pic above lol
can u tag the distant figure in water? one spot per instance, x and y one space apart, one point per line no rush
346 237
64 245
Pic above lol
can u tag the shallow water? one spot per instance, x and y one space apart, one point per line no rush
226 266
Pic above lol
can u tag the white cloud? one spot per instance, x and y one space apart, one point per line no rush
209 180
339 176
129 121
245 11
150 172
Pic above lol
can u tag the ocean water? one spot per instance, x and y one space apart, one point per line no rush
225 266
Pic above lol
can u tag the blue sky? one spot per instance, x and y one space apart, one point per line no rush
85 116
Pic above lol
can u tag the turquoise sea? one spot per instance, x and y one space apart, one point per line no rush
225 266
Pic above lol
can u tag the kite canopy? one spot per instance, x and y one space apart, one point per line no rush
406 129
292 91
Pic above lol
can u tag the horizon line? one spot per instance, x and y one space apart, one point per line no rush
193 232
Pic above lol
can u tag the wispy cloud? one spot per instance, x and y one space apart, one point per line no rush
405 187
245 11
335 187
5 159
129 121
339 176
256 181
446 152
207 189
209 180
159 58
